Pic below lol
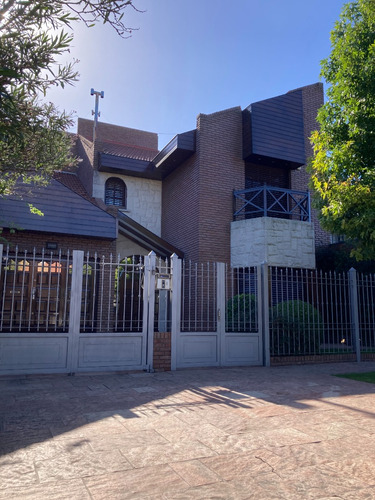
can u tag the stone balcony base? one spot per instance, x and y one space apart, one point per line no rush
279 242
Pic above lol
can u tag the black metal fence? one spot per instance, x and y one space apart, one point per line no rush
269 201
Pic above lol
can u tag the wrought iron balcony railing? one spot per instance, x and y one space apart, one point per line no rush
266 201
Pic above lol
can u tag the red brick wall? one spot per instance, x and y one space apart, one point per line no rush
197 206
123 135
222 171
313 99
180 207
319 359
27 240
162 351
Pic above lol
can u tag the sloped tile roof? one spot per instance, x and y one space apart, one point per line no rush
127 151
71 181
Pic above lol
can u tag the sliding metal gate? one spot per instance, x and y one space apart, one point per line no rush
75 313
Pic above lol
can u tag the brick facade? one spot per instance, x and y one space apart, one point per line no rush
319 358
162 351
115 133
26 241
197 205
197 197
222 171
180 202
197 201
313 99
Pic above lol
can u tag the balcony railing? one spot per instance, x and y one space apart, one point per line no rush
266 201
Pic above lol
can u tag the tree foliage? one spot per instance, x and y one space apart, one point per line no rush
343 169
33 35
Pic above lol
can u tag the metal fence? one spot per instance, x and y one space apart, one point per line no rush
266 201
241 297
312 312
35 291
309 312
198 297
366 311
112 295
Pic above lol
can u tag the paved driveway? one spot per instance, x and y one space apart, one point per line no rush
239 433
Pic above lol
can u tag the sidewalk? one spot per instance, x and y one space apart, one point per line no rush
237 433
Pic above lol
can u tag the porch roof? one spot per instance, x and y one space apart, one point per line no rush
145 238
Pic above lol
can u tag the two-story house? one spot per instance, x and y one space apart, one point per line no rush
233 190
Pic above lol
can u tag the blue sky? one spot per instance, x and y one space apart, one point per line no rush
197 56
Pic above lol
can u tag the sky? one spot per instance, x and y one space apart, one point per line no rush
188 57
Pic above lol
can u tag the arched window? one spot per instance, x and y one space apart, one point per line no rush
115 192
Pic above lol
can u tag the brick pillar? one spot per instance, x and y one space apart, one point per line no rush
162 351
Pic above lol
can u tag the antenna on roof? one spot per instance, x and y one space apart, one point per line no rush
96 113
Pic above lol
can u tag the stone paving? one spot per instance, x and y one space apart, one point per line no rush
237 433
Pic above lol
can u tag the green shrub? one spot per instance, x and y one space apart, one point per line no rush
296 327
242 314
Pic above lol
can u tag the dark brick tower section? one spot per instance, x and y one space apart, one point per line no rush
180 202
222 172
313 99
197 206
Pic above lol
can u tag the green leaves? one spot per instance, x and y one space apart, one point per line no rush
33 37
342 171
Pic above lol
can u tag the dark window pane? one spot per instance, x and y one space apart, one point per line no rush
115 192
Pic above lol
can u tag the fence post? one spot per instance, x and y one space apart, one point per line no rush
309 205
264 201
176 307
221 309
164 298
264 298
150 269
75 308
1 258
354 315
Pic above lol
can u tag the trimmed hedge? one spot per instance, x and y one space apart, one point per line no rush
296 327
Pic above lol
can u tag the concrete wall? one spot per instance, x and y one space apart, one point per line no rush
127 248
143 198
279 242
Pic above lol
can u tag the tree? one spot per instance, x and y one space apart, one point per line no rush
343 169
33 35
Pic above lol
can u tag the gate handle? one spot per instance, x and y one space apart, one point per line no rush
219 314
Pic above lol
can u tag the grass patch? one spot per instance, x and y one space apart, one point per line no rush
361 377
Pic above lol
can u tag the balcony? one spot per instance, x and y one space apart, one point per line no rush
272 225
266 201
